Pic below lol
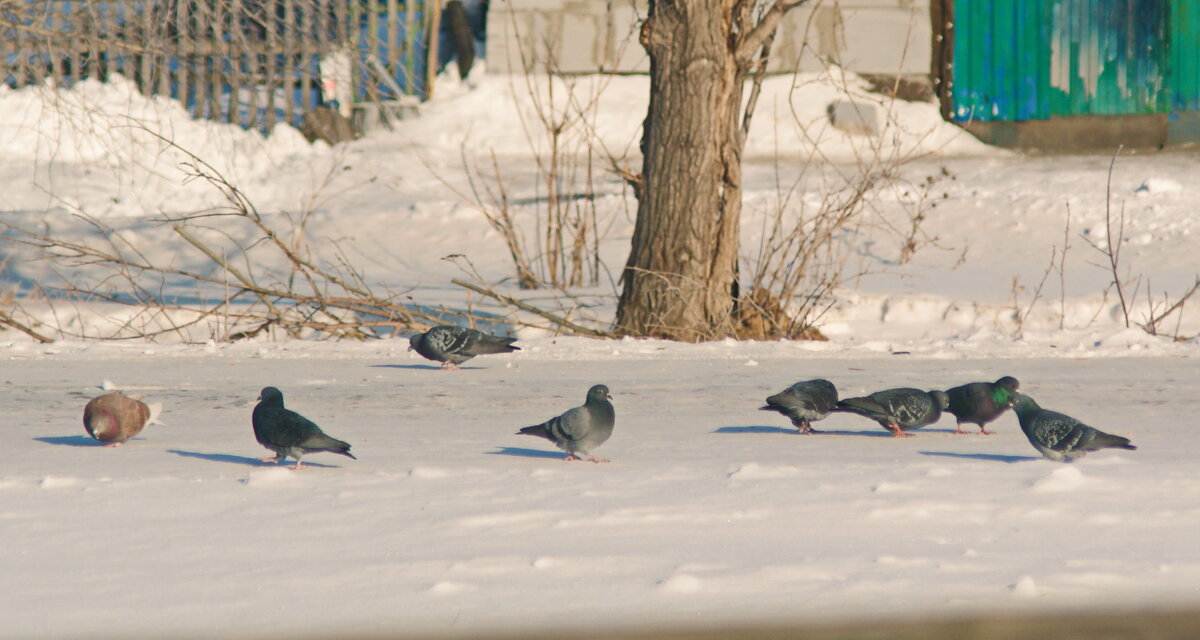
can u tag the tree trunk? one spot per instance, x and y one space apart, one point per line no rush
680 280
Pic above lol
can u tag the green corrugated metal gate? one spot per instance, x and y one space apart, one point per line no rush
1018 60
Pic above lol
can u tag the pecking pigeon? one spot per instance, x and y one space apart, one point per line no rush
115 417
288 433
1060 437
898 410
579 430
805 402
981 402
453 346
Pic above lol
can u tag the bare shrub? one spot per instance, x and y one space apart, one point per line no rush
806 248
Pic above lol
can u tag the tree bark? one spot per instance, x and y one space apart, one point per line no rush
680 279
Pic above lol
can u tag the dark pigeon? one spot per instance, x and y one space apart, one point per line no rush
805 402
288 433
115 417
453 346
581 429
899 410
979 403
1060 437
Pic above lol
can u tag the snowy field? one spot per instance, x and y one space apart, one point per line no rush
710 513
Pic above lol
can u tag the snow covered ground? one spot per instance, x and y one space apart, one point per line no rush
710 512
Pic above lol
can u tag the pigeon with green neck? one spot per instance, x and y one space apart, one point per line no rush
979 403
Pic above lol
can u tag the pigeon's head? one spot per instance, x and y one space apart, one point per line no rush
412 342
1023 404
940 398
271 396
1004 390
599 392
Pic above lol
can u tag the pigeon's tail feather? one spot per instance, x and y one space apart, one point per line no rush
1109 441
322 442
860 406
769 408
495 344
538 430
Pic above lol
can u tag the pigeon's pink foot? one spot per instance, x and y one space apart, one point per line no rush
298 466
959 432
985 432
274 459
571 456
595 459
898 432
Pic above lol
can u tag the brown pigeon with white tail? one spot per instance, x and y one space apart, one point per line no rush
115 417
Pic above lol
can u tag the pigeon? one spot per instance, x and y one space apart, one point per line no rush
899 410
579 430
453 346
981 402
115 417
804 402
1060 437
288 433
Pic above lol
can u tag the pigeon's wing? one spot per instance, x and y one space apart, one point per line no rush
286 428
1059 432
911 409
449 339
482 343
789 400
573 425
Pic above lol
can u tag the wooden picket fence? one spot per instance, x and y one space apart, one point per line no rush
249 62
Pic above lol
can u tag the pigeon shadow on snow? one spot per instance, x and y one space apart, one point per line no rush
992 457
794 431
246 460
433 367
527 453
755 429
71 441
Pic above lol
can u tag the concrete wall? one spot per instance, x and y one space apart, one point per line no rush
891 37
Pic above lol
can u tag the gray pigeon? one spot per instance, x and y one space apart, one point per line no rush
805 402
581 429
982 402
899 410
1060 437
115 417
288 433
453 346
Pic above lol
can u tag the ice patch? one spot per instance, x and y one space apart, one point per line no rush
273 477
1025 587
58 482
891 487
755 471
681 583
1064 479
428 473
447 588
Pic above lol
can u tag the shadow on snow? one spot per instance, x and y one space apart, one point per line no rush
527 453
992 457
232 459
